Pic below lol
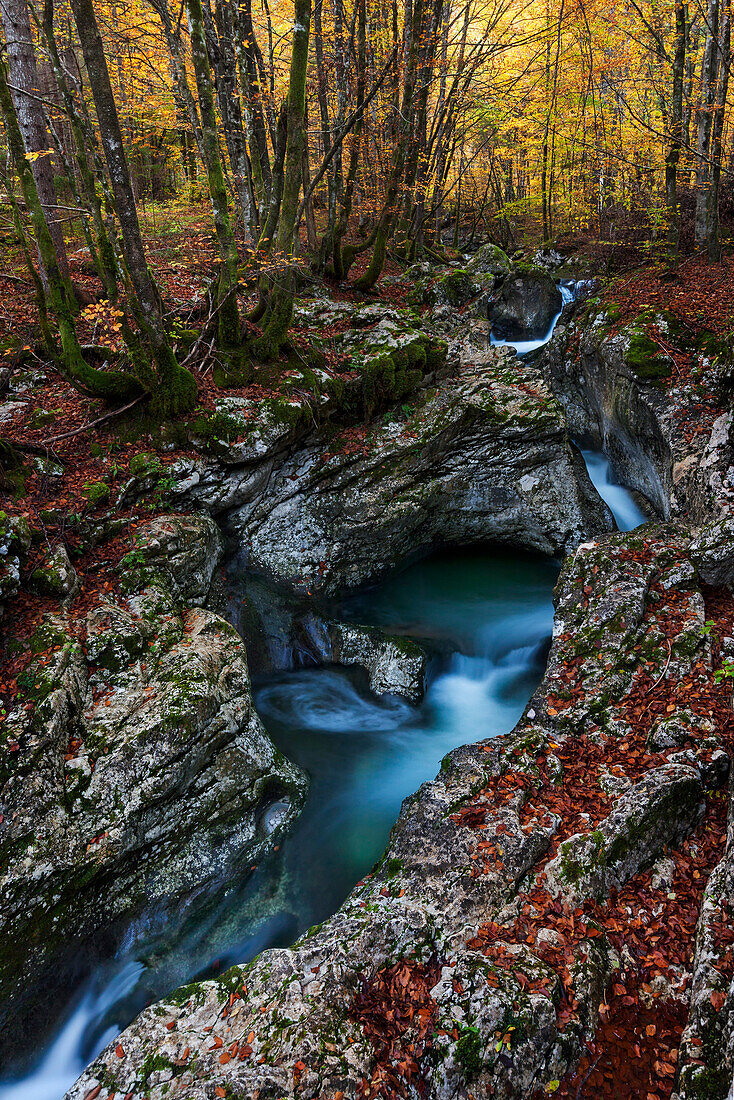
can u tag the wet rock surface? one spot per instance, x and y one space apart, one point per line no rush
610 382
142 773
526 305
482 456
478 461
281 634
470 856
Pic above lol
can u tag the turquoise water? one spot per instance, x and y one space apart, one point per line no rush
487 619
625 509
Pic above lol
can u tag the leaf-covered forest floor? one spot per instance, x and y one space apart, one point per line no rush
650 923
65 487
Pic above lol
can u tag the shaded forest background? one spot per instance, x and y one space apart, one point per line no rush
337 136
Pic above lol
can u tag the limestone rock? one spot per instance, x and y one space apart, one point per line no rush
395 666
526 306
660 810
15 542
453 289
483 456
56 576
713 552
489 259
142 774
478 460
677 729
242 431
706 1054
178 553
281 633
609 383
424 901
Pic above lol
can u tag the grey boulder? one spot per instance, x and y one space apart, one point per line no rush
525 307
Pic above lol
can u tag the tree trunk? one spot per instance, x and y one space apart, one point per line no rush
173 389
224 63
326 136
340 268
276 183
104 254
181 87
311 235
23 75
228 318
675 128
377 261
110 385
254 109
713 240
441 117
280 306
709 72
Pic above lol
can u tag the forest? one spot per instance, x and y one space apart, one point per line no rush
329 141
366 549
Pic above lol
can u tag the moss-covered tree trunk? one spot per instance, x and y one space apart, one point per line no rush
41 304
105 384
173 389
675 125
709 73
219 27
713 241
103 254
276 181
182 91
340 269
254 98
379 252
23 75
228 319
279 311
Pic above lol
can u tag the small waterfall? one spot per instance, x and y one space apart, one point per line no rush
570 290
623 506
488 617
82 1036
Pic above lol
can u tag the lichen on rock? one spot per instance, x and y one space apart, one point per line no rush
140 773
468 858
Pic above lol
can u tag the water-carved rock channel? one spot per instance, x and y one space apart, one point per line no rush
488 618
483 622
483 919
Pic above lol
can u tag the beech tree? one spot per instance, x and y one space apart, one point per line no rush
403 129
25 86
111 384
173 389
279 307
228 321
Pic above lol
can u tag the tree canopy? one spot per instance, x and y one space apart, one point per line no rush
332 135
